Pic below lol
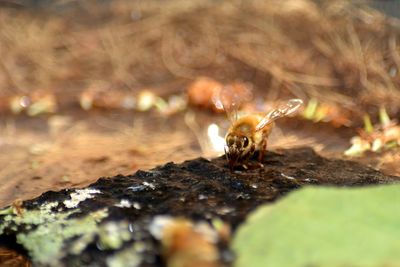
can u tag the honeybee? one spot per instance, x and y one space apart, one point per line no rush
250 133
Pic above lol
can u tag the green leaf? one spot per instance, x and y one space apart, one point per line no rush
324 227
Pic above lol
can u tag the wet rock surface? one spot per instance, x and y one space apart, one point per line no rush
119 210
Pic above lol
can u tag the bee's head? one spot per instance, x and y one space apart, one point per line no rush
237 146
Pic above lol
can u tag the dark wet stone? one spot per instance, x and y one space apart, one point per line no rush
199 188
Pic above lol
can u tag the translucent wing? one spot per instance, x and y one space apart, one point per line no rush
231 97
281 111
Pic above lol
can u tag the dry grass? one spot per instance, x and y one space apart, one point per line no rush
334 51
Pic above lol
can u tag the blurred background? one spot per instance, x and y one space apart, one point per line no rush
95 88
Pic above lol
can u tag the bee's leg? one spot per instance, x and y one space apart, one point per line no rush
252 165
263 149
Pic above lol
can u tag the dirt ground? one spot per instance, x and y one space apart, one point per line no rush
50 153
60 151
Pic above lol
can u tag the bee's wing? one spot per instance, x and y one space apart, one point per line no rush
230 98
281 111
225 101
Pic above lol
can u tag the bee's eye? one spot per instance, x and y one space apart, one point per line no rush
245 141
